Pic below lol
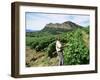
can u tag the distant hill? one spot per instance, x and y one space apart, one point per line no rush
29 30
59 28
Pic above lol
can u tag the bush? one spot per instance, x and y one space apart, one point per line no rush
41 43
76 52
51 49
34 44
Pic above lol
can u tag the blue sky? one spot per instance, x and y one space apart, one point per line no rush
37 21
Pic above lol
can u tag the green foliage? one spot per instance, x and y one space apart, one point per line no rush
86 29
42 44
51 49
76 51
39 43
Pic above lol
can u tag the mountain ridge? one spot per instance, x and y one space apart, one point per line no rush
60 27
66 25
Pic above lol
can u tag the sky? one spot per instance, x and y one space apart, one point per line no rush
37 21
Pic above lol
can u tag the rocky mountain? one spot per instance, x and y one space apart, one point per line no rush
61 27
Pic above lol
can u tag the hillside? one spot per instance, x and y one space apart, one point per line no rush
39 50
40 45
56 28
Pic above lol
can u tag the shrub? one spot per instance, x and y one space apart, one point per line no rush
76 52
51 49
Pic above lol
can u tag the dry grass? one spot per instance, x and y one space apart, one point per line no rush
85 39
39 59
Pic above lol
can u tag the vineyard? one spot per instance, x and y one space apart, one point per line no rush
41 47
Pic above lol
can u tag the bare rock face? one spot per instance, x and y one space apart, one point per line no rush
66 25
60 27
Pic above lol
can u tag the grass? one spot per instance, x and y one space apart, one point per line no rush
85 38
39 59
